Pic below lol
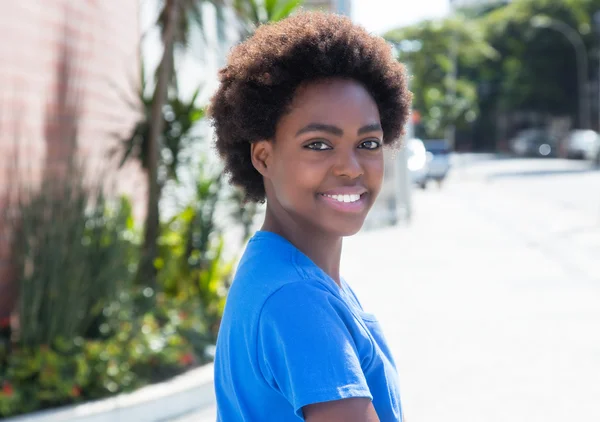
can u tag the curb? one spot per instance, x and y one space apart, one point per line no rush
161 402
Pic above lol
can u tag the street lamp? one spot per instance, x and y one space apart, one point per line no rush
596 20
573 36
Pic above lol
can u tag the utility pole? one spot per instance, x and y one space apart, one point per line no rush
597 30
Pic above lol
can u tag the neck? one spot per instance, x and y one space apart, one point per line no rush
323 249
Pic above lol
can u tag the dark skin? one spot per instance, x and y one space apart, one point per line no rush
330 142
322 174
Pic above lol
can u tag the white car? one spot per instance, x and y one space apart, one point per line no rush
417 162
581 144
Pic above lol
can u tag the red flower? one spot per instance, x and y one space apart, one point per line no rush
5 322
7 389
75 391
186 359
183 315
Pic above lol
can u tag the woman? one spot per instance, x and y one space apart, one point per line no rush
303 111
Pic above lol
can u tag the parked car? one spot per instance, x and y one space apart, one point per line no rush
438 159
593 153
417 162
580 144
534 143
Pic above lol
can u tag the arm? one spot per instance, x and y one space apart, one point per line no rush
347 410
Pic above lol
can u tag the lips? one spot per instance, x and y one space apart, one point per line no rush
346 199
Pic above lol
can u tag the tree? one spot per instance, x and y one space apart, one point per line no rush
443 95
170 16
538 67
175 20
513 70
535 80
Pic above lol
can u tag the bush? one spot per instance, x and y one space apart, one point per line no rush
132 352
74 253
86 331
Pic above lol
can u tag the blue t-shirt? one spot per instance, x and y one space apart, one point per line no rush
290 336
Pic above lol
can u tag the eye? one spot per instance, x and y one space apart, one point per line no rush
371 144
318 146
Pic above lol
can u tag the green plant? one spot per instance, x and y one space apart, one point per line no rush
139 345
74 253
191 262
179 119
253 13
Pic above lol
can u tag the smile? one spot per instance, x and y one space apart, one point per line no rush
353 203
344 198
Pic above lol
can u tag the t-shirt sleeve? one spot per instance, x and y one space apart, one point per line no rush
311 347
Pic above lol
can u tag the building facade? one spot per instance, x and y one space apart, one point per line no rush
65 66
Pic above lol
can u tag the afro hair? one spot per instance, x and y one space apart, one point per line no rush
258 83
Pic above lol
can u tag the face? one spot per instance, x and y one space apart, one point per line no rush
325 167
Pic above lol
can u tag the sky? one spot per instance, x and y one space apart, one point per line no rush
379 16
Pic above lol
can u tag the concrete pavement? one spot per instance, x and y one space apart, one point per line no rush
490 298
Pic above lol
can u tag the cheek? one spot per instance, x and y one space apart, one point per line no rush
376 172
295 180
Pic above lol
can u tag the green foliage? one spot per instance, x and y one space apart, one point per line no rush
180 120
86 331
138 346
123 337
538 67
191 262
253 13
74 254
504 63
427 48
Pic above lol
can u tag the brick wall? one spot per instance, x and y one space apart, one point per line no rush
65 65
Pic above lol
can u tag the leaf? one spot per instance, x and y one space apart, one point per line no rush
270 6
285 10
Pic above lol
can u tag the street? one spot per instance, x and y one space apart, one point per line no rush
490 298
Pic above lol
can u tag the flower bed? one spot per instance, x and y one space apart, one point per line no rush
133 351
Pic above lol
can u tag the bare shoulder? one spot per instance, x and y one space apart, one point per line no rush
346 410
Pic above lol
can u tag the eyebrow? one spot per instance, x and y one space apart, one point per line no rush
334 130
374 127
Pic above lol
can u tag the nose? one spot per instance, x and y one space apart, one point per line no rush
348 165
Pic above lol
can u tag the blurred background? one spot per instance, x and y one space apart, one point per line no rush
119 234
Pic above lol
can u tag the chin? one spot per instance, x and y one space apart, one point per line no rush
344 230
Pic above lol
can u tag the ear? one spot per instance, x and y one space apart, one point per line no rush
261 153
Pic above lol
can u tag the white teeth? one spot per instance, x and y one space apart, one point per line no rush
344 198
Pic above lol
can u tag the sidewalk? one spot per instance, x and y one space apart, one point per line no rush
485 327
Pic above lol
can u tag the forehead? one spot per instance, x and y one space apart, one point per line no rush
333 101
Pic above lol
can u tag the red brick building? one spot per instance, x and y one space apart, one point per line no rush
64 65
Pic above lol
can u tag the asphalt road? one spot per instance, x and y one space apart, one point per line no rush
490 298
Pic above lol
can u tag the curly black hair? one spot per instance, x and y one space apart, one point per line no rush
262 74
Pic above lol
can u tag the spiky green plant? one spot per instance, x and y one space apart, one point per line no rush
73 252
